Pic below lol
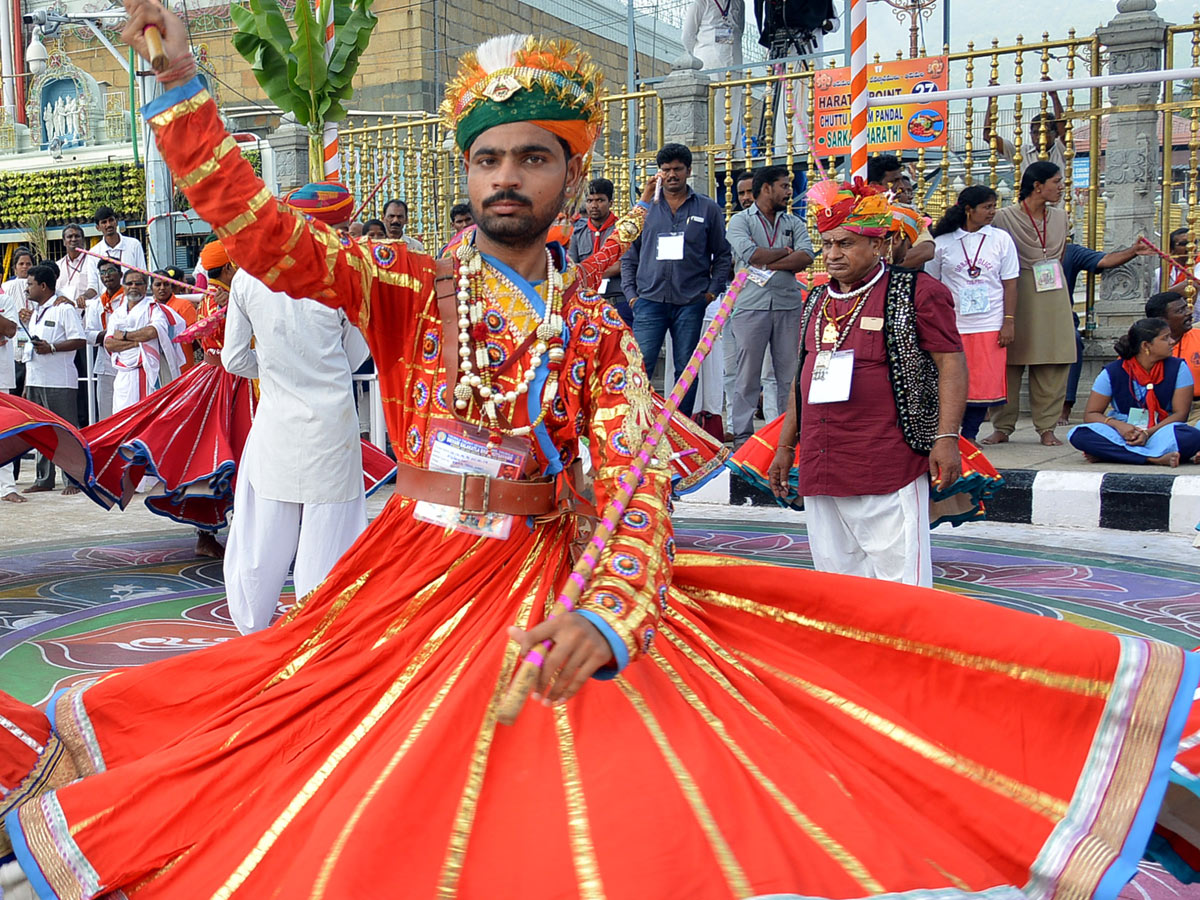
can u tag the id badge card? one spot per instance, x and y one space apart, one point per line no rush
724 34
603 289
975 299
1139 418
1048 275
831 377
670 246
455 447
759 276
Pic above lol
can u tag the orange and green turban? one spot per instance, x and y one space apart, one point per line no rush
326 201
907 222
519 78
858 207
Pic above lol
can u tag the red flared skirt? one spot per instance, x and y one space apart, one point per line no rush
190 435
26 426
790 732
963 501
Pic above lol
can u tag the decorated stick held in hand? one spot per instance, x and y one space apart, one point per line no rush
577 582
154 46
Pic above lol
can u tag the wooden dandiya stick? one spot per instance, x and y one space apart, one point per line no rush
527 674
1186 272
116 262
154 46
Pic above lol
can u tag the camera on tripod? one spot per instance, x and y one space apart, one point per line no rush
793 26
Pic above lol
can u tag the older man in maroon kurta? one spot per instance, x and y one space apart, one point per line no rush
875 426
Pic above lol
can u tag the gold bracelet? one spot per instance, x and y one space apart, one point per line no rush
1010 317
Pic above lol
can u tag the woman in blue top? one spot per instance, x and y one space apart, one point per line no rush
1138 408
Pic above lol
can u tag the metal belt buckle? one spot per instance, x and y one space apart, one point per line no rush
462 494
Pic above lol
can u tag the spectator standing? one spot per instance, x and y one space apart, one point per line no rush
1044 337
743 185
395 217
1137 411
167 293
588 236
15 289
1047 130
139 339
95 326
886 172
1076 259
1178 251
774 244
375 230
979 264
51 379
460 217
120 248
10 326
1172 307
78 279
880 386
678 265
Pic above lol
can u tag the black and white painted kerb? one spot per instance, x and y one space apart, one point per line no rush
1124 501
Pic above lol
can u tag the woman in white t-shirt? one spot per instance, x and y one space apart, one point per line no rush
979 264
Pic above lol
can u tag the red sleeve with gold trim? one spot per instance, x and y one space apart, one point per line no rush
263 236
629 590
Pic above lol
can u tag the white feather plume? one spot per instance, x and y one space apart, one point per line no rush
500 52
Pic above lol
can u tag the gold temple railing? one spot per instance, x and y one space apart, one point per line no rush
1181 169
410 159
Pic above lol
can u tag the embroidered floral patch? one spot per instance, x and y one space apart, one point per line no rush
385 255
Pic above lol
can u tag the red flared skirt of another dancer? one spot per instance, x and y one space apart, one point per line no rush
190 435
790 732
963 501
24 426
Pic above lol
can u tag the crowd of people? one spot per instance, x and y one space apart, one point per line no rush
707 726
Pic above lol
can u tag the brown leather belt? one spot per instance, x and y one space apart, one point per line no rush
478 494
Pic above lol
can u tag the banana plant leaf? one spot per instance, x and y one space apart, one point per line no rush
309 50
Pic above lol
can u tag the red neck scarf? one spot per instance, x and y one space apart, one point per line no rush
611 220
1147 380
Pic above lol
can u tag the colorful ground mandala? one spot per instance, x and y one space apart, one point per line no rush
70 613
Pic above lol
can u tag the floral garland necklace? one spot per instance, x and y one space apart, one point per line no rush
476 381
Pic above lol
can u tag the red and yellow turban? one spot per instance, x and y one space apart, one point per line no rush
326 201
858 207
519 78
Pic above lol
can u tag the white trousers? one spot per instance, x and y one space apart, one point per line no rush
882 536
104 396
266 535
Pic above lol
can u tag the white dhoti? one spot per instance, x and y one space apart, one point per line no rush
883 536
264 538
128 387
8 484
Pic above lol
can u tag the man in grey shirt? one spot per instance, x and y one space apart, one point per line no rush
676 268
774 244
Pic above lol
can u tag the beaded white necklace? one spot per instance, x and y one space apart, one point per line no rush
475 365
858 291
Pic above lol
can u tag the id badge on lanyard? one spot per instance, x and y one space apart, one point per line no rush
974 298
1139 418
670 246
455 447
832 375
1048 275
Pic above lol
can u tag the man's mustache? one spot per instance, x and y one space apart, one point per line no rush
509 196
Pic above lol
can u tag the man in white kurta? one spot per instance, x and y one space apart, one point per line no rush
10 326
299 487
139 339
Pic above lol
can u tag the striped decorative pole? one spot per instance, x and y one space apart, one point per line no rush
333 159
858 89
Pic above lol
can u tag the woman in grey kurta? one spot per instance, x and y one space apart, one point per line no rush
1044 339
